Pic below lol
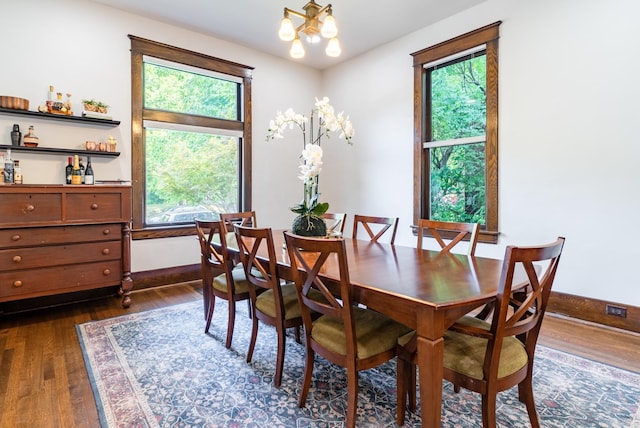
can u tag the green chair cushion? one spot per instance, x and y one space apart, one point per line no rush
239 279
265 302
465 354
375 333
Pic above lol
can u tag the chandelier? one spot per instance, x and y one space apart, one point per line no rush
312 28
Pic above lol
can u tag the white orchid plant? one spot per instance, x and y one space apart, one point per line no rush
311 159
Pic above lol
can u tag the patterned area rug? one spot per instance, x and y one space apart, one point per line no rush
159 369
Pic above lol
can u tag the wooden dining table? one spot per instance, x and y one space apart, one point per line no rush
422 289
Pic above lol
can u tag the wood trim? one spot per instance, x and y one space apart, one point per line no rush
594 310
166 276
487 36
457 44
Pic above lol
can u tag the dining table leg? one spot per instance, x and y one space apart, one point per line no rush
430 355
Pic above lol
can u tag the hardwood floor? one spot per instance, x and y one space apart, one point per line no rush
44 383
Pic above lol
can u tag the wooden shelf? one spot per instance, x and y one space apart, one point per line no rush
59 117
54 150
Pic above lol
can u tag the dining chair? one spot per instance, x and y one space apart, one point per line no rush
492 356
337 222
381 226
453 232
349 336
243 218
220 275
273 302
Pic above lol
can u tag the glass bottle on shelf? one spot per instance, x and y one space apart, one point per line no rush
68 170
17 172
88 174
30 140
82 169
76 177
8 168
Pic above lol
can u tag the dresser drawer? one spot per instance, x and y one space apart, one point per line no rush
34 236
56 255
60 279
25 208
94 206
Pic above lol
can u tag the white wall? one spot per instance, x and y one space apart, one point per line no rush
568 90
82 47
568 150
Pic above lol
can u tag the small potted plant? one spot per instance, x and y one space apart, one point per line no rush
90 105
102 107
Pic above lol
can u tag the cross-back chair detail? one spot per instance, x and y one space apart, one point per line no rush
385 224
337 223
243 218
272 301
453 232
489 357
221 278
352 337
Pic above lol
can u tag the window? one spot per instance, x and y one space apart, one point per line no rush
456 131
191 138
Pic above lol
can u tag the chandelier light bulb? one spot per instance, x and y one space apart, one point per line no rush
297 50
329 29
333 48
286 32
313 38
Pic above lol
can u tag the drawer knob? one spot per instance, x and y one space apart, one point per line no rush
106 272
17 259
16 237
106 231
17 283
106 251
94 206
30 208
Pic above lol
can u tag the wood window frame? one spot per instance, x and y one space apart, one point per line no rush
487 36
141 47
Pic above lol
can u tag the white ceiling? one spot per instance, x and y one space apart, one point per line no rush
362 24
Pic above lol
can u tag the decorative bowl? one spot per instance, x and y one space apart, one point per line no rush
14 103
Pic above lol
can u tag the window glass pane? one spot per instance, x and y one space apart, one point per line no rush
458 99
457 183
188 175
180 91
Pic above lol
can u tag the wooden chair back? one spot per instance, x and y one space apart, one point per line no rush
213 248
336 222
243 218
261 275
309 255
381 226
454 233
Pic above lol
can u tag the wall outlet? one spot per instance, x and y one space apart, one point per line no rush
616 311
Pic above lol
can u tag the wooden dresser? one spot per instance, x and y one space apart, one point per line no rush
58 239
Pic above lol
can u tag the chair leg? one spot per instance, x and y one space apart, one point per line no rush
489 408
410 374
306 381
280 355
352 396
401 390
206 297
212 304
231 324
297 334
254 336
525 394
